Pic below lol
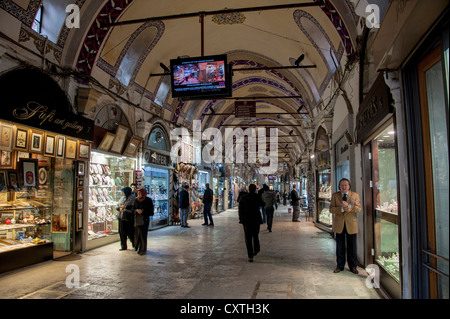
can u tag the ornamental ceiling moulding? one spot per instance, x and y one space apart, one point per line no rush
229 18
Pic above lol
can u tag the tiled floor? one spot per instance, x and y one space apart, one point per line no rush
296 262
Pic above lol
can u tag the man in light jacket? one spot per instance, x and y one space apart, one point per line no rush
270 202
344 205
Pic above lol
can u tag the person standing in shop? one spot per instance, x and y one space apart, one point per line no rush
250 218
207 203
133 189
126 217
183 201
143 208
344 205
270 201
295 204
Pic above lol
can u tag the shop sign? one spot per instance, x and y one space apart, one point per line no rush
152 157
245 109
42 117
375 107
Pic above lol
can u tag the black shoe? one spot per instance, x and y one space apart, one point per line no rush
122 249
355 271
250 260
211 225
337 270
204 224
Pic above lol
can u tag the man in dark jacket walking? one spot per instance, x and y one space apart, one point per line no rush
207 203
250 218
184 204
295 204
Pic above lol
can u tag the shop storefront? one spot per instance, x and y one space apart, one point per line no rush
44 154
157 172
377 133
113 166
323 181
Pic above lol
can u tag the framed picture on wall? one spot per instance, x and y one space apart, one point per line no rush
6 137
7 160
60 146
133 146
71 148
81 182
84 151
21 139
60 223
36 141
81 169
106 142
29 172
50 145
80 220
13 180
3 180
119 141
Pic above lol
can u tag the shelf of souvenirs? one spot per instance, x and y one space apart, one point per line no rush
101 175
390 263
22 204
325 217
33 223
325 192
13 244
388 208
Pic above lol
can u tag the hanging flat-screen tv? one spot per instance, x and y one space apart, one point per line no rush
197 78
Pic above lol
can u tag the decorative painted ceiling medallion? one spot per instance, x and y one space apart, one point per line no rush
229 18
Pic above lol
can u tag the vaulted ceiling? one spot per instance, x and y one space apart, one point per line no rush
120 46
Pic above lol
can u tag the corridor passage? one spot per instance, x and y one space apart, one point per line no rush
296 262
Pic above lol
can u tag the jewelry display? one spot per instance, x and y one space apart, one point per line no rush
105 184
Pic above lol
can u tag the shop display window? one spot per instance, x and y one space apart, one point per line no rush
108 175
26 213
157 186
386 211
324 198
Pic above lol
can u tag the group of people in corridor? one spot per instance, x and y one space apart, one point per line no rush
256 207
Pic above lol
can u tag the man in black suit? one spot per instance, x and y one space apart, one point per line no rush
250 218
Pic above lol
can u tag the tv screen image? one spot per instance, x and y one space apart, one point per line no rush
200 77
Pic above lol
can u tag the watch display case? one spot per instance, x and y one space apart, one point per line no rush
108 175
324 196
156 182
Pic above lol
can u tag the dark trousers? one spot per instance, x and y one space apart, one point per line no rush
252 240
269 215
207 213
126 230
344 240
140 236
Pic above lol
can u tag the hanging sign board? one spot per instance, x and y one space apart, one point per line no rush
245 109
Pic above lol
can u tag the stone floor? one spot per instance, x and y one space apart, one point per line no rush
296 262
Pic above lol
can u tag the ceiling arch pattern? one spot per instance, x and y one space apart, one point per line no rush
110 12
127 49
339 24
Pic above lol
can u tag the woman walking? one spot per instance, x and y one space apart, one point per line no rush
143 209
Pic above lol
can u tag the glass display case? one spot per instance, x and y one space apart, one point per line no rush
386 211
24 223
157 185
25 230
108 175
324 196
